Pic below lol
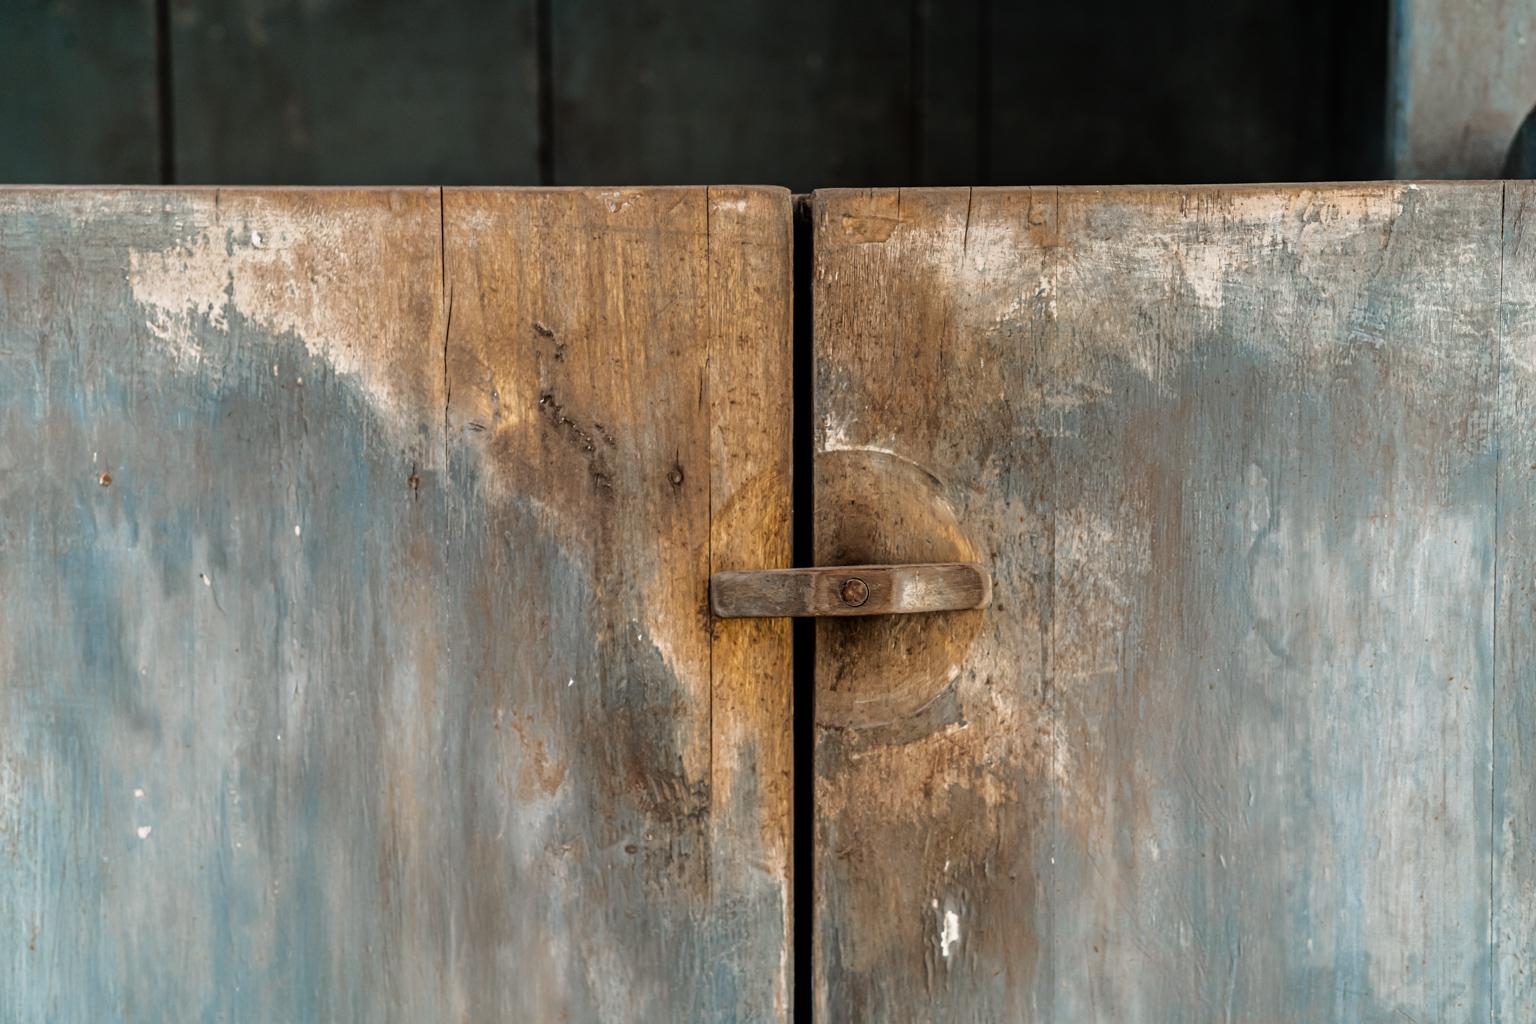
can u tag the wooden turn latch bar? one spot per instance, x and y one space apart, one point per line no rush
850 590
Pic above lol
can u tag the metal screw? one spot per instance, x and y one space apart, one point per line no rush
854 592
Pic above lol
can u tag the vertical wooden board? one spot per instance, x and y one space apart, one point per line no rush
1462 78
355 92
752 702
1221 746
807 94
584 383
354 661
1514 711
77 92
220 595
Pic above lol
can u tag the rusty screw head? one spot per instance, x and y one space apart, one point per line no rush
854 592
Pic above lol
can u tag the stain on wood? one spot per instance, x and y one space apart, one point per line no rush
355 92
355 660
753 707
1220 747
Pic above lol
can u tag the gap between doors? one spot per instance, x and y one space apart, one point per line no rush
803 631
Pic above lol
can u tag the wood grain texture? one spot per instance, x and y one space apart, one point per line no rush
355 661
1514 710
850 590
1220 748
1462 78
752 698
77 92
355 92
580 375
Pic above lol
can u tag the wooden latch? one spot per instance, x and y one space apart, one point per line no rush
850 590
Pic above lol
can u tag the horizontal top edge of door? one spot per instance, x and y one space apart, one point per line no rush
195 188
1320 189
843 590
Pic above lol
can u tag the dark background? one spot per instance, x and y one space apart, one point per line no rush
790 92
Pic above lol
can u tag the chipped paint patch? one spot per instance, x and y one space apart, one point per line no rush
834 433
949 930
291 269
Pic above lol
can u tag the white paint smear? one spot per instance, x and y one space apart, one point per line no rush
287 271
949 933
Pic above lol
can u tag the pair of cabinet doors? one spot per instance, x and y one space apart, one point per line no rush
356 660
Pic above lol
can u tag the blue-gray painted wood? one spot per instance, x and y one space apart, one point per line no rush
78 98
354 660
1514 710
1223 746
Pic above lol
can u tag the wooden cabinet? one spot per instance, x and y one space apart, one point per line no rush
357 663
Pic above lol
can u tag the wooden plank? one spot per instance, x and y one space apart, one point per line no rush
354 656
77 92
1220 747
805 94
355 92
850 590
1462 78
752 701
580 362
1514 712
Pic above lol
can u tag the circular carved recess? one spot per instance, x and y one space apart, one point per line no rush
876 508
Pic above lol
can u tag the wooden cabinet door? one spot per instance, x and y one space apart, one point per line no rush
1245 733
355 661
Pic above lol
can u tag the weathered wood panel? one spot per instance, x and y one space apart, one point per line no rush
752 701
1220 748
1463 77
354 655
355 92
1514 711
77 92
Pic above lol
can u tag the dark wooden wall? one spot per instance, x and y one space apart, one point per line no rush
794 92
